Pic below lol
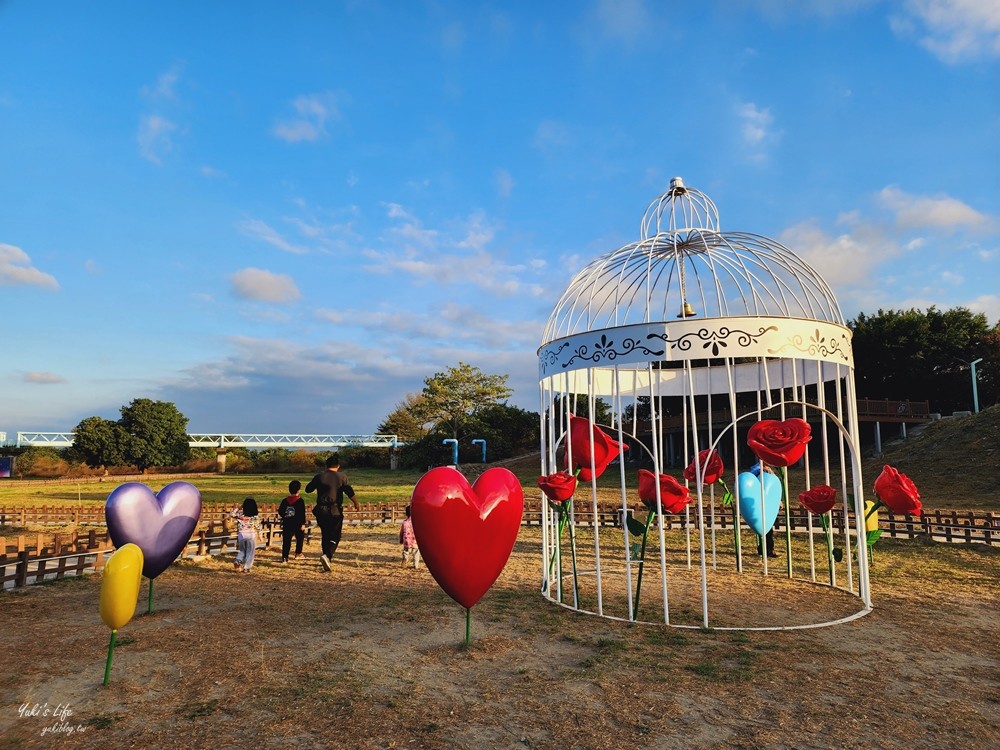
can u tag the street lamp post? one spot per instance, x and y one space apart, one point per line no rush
975 385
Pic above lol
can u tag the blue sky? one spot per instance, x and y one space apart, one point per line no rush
284 216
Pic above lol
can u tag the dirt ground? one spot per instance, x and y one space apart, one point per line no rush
372 655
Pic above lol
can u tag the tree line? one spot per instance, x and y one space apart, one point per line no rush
899 354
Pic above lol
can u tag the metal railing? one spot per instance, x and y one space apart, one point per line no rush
231 440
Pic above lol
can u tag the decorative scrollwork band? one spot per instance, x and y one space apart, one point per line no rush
714 339
817 344
605 350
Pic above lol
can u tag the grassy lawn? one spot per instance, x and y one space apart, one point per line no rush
385 486
371 485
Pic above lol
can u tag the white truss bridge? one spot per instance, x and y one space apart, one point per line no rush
233 440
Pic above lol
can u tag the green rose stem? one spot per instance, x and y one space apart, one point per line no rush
572 548
824 519
642 563
468 627
561 509
149 605
788 517
728 499
111 652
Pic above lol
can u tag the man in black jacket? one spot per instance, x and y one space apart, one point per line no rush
330 487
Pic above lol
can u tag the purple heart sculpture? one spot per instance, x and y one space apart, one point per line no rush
160 525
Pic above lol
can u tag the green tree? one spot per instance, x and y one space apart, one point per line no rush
925 356
149 433
408 421
99 442
456 395
156 433
508 431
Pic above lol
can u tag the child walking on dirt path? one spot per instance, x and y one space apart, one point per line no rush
247 530
409 541
292 513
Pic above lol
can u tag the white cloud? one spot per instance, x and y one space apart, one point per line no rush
312 112
396 211
940 212
954 31
16 269
264 286
261 230
952 278
623 21
478 234
988 304
156 130
155 137
43 378
845 259
458 255
505 183
756 129
165 86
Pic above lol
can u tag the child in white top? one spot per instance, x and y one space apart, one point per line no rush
247 528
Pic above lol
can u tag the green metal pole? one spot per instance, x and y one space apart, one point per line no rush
788 519
111 651
149 608
572 547
468 627
642 563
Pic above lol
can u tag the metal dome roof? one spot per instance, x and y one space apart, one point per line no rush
685 267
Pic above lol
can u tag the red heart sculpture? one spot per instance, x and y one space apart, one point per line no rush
466 534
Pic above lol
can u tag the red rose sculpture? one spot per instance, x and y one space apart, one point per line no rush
711 467
818 500
581 436
558 487
674 495
897 492
779 443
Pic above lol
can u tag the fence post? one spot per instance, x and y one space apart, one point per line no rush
21 576
988 529
60 562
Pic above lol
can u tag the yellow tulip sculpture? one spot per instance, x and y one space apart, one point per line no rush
120 593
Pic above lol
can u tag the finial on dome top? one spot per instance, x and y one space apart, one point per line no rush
677 186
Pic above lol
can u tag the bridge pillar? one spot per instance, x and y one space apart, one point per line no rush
878 438
393 459
220 460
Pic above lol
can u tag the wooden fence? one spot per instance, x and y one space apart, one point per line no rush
26 559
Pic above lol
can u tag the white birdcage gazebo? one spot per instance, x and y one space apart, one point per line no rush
676 344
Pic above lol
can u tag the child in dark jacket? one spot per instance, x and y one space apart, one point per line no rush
292 513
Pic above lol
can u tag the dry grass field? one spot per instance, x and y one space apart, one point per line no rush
372 655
